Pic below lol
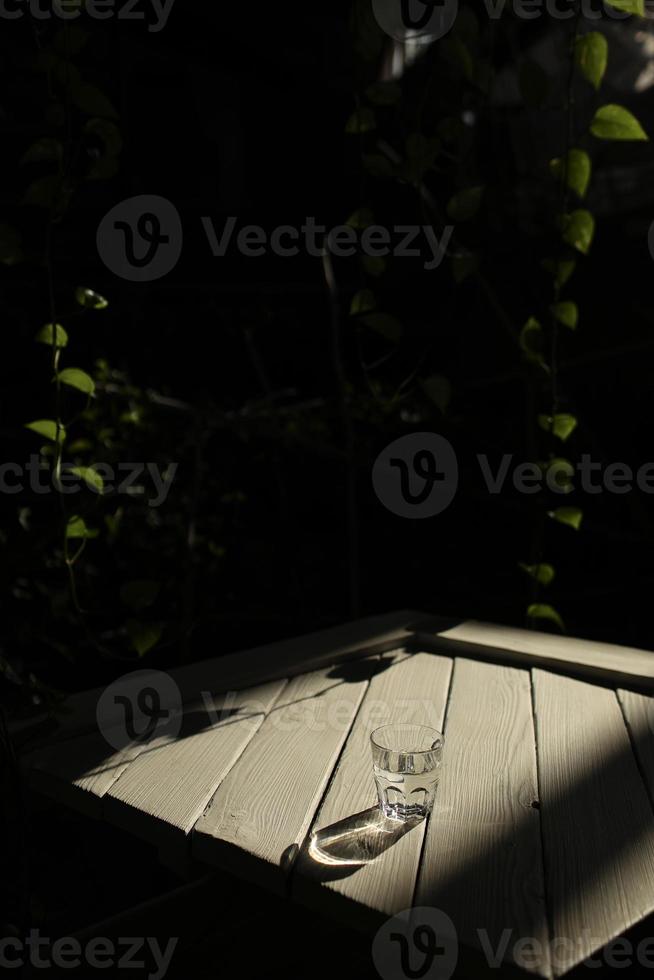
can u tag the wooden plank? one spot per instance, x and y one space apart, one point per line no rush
245 668
482 861
162 793
356 863
82 771
598 832
261 813
528 648
78 772
639 715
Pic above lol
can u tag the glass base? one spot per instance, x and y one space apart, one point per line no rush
402 811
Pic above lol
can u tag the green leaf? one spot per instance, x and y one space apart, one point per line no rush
90 476
140 593
48 429
562 425
363 302
543 573
108 133
76 378
76 528
561 473
385 324
561 270
464 266
132 417
113 522
10 245
46 150
89 299
379 166
384 93
374 265
439 390
360 219
47 335
531 340
465 204
636 7
143 636
361 121
577 172
103 169
91 100
591 55
46 192
67 7
572 516
567 313
80 445
539 610
579 230
614 122
421 152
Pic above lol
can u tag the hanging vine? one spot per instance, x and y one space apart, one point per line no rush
588 57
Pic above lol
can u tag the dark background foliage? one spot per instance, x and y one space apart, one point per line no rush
252 377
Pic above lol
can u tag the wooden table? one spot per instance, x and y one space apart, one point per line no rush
543 821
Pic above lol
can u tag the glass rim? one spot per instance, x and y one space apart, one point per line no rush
425 728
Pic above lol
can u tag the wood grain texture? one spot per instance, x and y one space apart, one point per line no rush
165 789
363 867
529 648
82 771
79 772
598 831
245 668
638 711
261 813
482 861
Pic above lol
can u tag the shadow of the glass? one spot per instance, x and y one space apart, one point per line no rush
338 850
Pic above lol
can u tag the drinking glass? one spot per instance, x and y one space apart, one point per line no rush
406 762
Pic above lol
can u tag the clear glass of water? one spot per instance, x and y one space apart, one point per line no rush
407 762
